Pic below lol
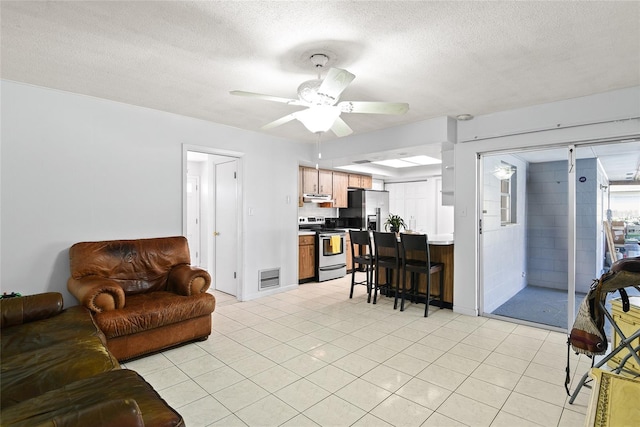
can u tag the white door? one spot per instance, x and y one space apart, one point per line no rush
226 230
193 218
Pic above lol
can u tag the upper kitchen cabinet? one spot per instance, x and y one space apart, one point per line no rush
309 180
340 184
316 181
360 181
325 181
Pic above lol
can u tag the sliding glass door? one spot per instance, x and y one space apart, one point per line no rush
542 237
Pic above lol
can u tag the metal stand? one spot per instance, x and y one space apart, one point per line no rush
624 343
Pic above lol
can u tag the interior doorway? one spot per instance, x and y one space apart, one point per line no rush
216 238
542 235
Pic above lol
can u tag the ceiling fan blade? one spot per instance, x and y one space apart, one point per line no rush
340 128
336 81
267 97
374 107
280 121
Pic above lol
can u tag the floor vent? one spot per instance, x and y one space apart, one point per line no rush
269 278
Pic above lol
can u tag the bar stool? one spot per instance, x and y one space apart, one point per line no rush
363 257
387 257
417 246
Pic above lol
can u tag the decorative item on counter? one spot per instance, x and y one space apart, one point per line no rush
395 223
412 224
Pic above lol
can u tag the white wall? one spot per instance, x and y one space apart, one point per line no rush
609 115
503 247
76 168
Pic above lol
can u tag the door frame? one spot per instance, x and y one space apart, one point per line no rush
572 148
238 156
571 231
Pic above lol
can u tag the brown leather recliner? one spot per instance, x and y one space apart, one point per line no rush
144 294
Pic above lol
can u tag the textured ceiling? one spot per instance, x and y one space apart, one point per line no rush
443 58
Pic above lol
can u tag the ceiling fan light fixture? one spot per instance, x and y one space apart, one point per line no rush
318 118
309 92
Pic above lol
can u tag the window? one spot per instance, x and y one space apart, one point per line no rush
508 179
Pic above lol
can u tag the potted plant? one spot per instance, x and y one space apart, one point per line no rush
395 222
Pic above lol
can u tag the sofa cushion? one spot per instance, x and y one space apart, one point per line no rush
154 310
79 398
71 324
40 370
43 355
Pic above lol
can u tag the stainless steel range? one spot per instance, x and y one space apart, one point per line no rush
331 255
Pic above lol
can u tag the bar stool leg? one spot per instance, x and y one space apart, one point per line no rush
442 288
428 295
353 280
368 271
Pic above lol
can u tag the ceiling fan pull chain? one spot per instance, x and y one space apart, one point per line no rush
319 153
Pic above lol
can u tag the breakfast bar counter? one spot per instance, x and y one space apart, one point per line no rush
441 250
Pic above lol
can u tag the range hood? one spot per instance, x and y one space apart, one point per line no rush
317 198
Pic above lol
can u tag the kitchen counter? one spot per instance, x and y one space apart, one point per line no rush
441 239
306 233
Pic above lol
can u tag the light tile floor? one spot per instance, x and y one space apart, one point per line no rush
312 356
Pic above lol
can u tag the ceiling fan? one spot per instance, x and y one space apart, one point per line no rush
321 99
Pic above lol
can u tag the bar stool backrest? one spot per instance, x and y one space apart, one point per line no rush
361 239
386 241
415 243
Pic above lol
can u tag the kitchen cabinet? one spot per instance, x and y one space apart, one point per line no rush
325 181
316 181
306 258
309 180
340 185
300 189
360 181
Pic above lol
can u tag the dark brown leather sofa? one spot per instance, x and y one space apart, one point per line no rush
56 371
144 294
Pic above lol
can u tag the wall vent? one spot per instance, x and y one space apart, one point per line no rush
269 278
361 162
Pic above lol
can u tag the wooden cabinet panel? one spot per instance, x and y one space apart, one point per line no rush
360 181
300 199
306 257
325 181
340 184
309 180
367 182
354 180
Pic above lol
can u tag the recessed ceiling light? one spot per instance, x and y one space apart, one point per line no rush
464 117
408 162
394 163
422 160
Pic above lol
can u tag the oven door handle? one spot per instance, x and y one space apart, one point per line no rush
332 267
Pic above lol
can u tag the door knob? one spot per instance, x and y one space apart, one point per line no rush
215 233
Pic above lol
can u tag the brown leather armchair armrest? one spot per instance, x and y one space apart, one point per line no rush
187 280
96 293
19 310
